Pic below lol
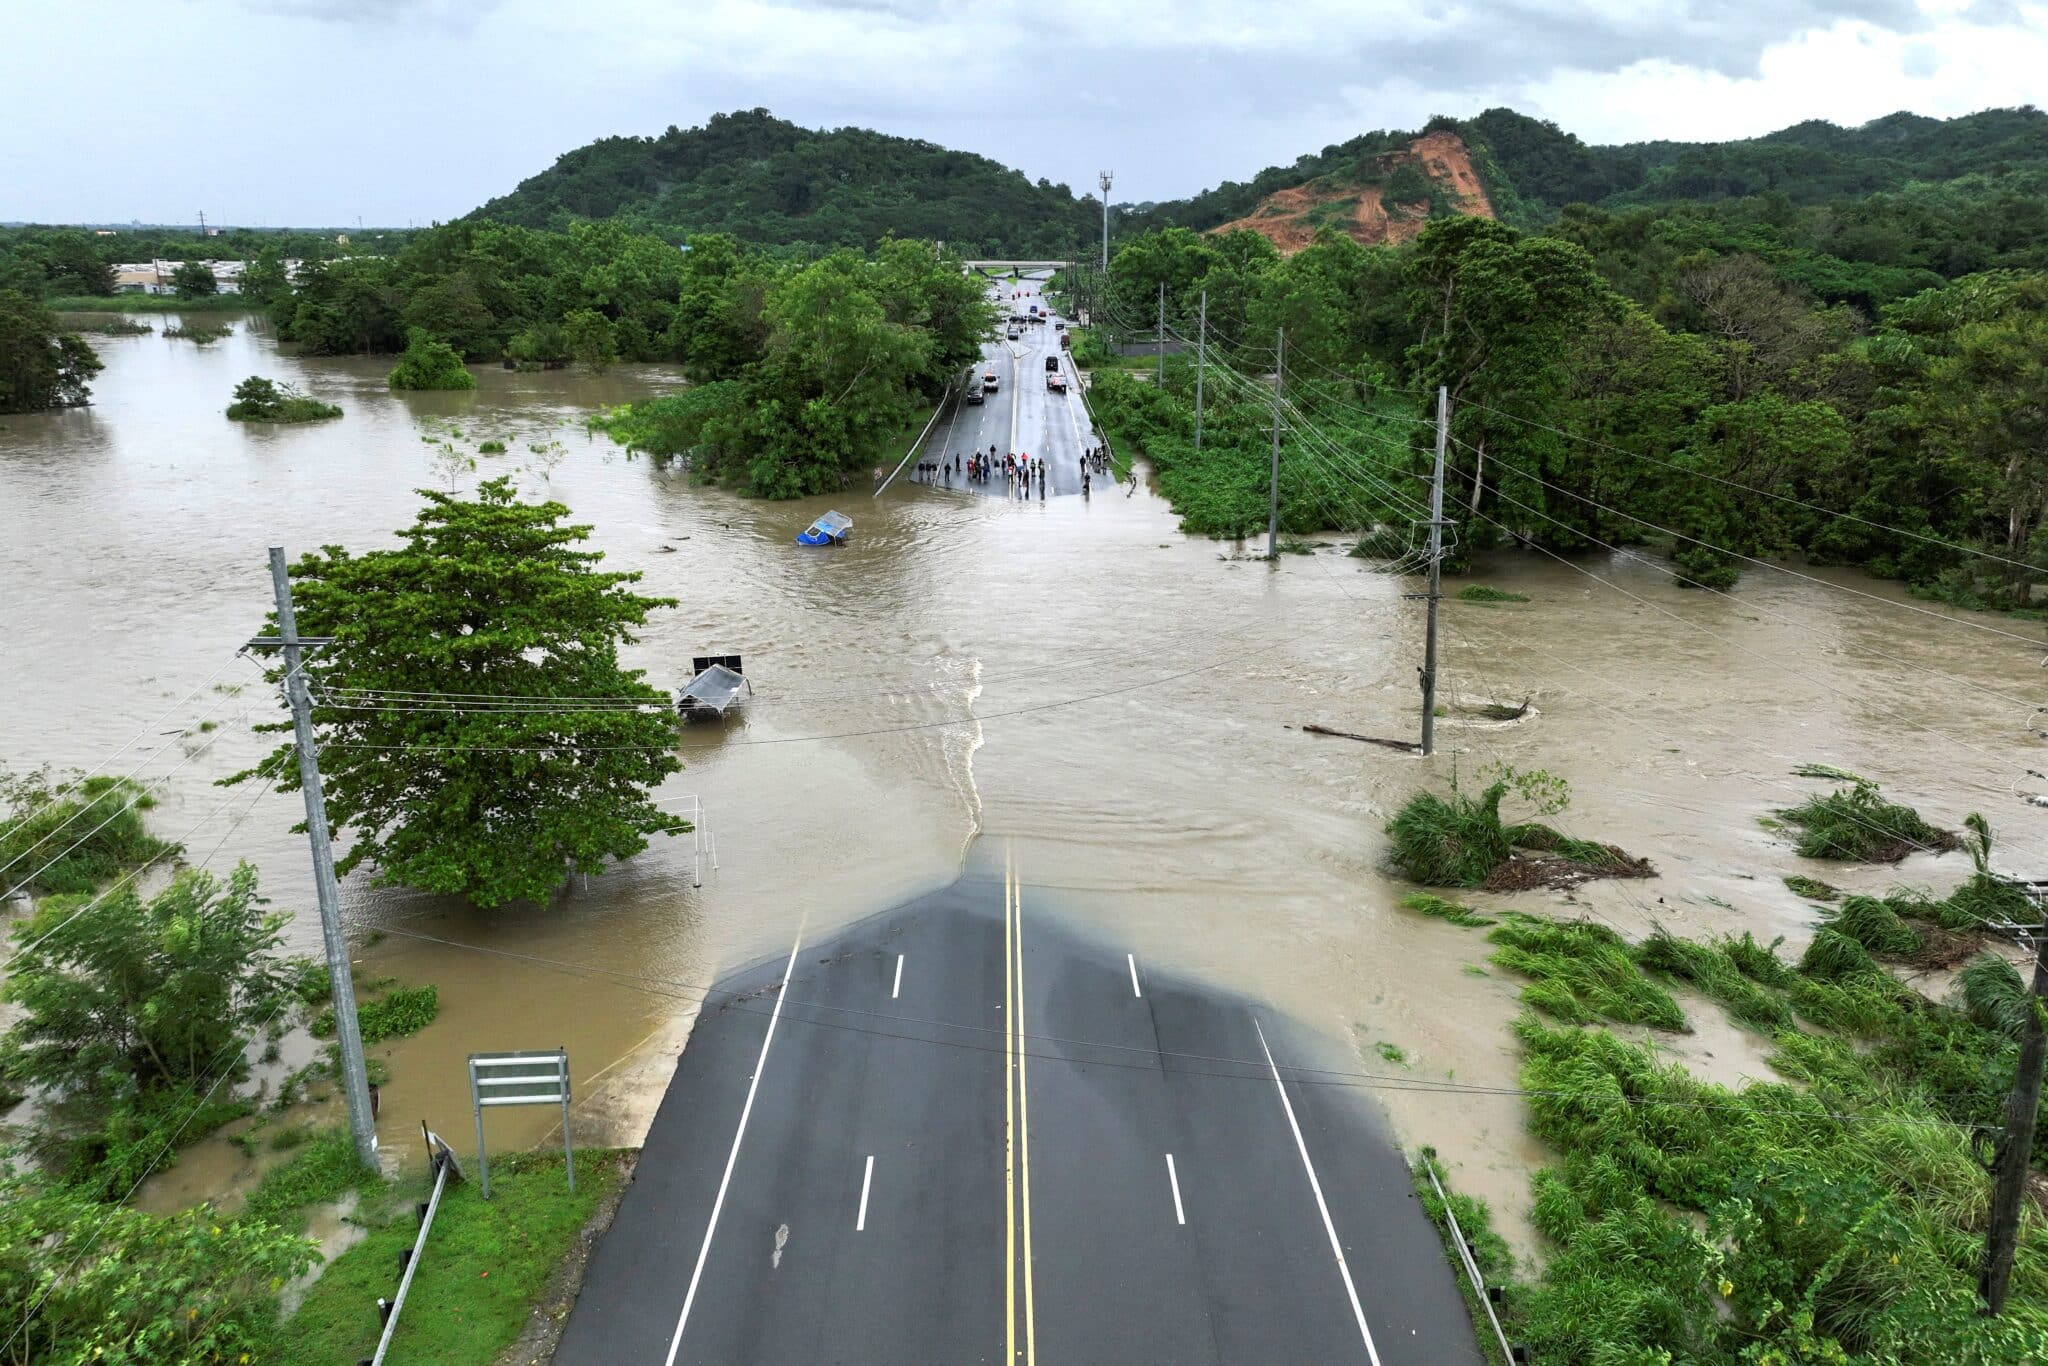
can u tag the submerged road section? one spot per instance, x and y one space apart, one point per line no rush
958 1133
1020 414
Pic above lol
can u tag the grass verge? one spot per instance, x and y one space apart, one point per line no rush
150 303
484 1268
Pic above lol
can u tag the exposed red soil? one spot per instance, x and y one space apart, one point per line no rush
1284 216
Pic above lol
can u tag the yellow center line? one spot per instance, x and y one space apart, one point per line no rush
1009 1139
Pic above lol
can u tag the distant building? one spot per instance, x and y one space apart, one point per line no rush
157 277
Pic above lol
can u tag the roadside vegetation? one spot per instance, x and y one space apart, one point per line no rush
263 400
1836 1214
484 1272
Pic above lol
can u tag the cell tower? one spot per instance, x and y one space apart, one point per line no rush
1103 178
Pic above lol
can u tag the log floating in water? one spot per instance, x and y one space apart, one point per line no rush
1313 729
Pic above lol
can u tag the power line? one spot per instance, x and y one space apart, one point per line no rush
1764 493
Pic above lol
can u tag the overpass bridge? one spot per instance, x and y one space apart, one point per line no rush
1017 265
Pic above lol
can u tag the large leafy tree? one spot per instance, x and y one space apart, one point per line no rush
40 367
488 598
194 280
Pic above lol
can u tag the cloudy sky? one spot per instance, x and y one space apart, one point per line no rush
320 112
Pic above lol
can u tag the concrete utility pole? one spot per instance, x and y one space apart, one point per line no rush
1201 354
2015 1145
355 1079
1436 571
1103 179
1273 500
1159 334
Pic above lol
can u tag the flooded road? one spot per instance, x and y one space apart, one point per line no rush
1075 676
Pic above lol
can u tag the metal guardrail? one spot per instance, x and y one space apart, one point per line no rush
444 1163
1471 1267
918 444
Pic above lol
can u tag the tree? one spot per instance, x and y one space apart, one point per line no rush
429 364
488 597
181 1290
261 400
588 336
264 279
194 280
137 1009
40 367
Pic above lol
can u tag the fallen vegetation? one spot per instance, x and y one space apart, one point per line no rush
1836 1215
1856 824
1458 840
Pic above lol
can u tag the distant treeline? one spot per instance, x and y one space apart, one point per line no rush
1619 379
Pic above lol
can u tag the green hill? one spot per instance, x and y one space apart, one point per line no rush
768 181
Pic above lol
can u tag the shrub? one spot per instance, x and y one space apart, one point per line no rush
72 837
429 364
1451 841
262 400
491 447
204 334
1479 592
405 1011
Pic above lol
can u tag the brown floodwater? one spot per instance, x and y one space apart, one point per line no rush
1114 698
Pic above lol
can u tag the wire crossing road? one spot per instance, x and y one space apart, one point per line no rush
1021 415
958 1133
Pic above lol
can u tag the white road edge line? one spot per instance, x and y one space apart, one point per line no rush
1132 959
1173 1178
760 1064
1336 1247
860 1222
899 978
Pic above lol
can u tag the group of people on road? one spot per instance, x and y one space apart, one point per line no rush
1017 470
936 471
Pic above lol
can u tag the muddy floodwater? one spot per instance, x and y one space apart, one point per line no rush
1117 701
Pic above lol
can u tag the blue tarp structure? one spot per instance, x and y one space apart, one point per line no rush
830 529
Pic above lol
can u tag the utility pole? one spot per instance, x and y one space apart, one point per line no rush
1159 334
1103 178
1201 352
1436 571
1273 500
355 1080
2015 1145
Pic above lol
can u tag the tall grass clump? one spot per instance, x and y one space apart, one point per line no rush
72 838
1856 824
1426 903
1812 888
1582 972
1453 840
1714 972
1993 996
1874 925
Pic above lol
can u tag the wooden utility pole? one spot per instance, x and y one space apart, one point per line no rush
1436 557
2014 1158
1201 354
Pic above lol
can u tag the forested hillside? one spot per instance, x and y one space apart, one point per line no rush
770 182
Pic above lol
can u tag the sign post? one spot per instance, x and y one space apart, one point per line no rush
519 1079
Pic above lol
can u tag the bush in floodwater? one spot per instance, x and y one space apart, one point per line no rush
1453 840
204 334
491 448
1857 824
103 833
263 400
429 364
394 1015
1812 888
1582 972
1479 592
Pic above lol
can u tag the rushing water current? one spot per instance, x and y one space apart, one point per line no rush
1119 702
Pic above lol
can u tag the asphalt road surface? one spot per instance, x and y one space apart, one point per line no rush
958 1133
1021 416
